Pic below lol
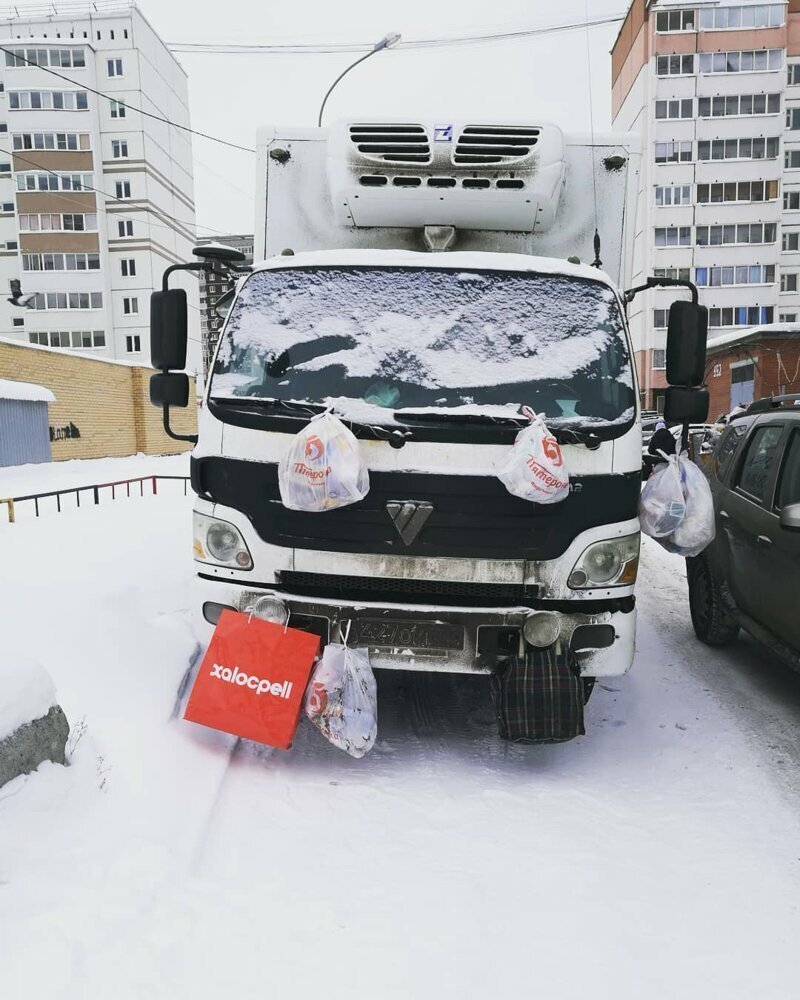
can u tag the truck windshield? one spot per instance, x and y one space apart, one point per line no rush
411 339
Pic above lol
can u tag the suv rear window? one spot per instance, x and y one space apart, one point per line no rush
758 461
789 486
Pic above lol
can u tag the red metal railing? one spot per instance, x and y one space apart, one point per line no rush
94 489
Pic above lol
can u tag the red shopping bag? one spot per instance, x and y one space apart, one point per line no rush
252 679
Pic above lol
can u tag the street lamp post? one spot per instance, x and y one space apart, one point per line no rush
385 43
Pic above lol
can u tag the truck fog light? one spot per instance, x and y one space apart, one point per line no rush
269 609
541 628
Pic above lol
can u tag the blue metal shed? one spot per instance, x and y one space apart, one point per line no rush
24 423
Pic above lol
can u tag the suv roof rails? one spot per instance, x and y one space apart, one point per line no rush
773 402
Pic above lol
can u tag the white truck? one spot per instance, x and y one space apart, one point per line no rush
429 279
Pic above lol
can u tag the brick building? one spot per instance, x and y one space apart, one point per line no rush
744 365
102 408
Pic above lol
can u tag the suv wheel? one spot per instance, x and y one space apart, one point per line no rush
712 623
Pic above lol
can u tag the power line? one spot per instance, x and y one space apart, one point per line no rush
318 48
111 197
147 114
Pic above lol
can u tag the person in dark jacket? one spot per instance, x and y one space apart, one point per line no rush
662 440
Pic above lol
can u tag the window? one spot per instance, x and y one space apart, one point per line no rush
61 262
117 109
675 65
76 339
114 67
791 201
674 152
733 191
660 319
790 240
754 232
681 273
789 480
8 206
133 343
793 119
674 236
48 100
67 300
741 316
125 227
719 277
130 307
669 110
65 58
749 61
722 18
67 222
787 317
791 159
18 321
789 281
739 105
119 148
675 20
54 182
3 127
674 195
123 189
5 168
127 267
760 456
793 74
738 149
659 358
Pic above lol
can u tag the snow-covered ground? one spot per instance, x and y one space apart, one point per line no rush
656 857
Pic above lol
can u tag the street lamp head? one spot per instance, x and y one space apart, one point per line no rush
388 41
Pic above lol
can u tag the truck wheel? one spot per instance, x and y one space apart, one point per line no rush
713 623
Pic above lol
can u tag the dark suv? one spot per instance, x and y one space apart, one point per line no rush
749 576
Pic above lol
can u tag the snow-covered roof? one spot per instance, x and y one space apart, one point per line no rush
743 333
457 260
10 389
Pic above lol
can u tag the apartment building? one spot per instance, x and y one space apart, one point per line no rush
714 91
211 288
96 198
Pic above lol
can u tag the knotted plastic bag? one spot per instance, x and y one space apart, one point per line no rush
662 507
342 699
697 528
534 469
323 468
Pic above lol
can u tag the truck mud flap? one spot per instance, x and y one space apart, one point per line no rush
539 697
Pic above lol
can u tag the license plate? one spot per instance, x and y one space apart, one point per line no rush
408 635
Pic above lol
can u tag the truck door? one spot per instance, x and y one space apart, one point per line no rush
778 563
746 514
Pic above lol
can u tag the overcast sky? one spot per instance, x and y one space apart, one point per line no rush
545 77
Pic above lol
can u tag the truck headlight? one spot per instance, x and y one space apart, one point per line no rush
610 563
220 542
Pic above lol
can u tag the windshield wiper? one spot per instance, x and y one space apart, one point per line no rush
564 435
396 436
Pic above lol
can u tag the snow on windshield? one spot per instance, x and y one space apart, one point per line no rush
405 337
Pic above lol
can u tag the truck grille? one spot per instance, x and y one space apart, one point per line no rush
485 144
392 143
368 588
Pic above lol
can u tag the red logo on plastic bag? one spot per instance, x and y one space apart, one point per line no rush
552 450
314 449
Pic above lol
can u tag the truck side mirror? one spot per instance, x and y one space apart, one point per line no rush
685 406
169 389
169 330
686 343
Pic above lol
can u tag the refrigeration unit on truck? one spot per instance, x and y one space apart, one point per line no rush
429 279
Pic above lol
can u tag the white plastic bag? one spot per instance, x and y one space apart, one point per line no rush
534 469
323 468
662 507
342 699
697 529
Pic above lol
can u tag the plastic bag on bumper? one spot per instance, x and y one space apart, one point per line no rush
697 529
342 699
534 469
323 468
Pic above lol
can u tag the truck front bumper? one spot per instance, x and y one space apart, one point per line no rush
600 633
